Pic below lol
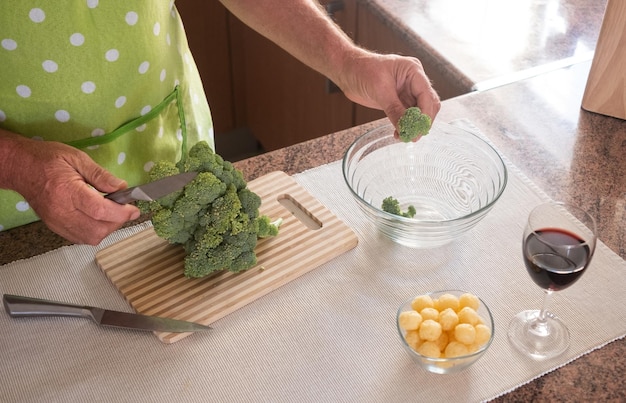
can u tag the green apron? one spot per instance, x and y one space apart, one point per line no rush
114 78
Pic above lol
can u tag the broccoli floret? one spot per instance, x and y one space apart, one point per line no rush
413 124
205 188
168 225
215 217
211 250
160 170
266 227
250 202
392 206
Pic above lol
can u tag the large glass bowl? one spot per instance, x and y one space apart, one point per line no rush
452 177
453 364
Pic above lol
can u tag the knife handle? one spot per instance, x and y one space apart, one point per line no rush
18 306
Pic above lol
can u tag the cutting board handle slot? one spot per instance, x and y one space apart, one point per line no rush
300 212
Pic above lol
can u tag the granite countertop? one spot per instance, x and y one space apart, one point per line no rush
485 43
573 155
538 125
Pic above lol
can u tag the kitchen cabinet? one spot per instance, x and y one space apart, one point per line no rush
285 101
255 86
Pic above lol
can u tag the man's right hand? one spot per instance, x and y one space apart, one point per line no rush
61 185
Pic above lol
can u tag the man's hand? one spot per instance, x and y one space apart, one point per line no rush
391 83
61 185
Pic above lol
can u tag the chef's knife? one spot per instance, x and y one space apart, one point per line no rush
152 190
18 306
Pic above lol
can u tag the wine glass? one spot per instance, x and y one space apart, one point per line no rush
558 244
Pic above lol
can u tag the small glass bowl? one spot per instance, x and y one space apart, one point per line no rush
446 365
452 177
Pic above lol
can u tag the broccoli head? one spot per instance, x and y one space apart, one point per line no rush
392 206
215 217
412 124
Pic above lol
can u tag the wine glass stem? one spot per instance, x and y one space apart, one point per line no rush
540 325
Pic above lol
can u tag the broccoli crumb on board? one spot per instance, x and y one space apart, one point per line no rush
392 206
413 124
215 217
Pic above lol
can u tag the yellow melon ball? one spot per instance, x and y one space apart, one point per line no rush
429 313
447 301
474 348
429 349
468 315
465 333
412 338
409 320
422 301
483 334
448 319
430 330
456 349
442 341
469 300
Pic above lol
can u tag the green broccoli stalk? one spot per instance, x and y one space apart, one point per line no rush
392 206
412 124
215 217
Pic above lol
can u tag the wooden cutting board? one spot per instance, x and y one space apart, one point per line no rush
148 271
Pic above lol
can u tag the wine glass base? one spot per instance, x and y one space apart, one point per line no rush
536 339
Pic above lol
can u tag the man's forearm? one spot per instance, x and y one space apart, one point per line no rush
301 27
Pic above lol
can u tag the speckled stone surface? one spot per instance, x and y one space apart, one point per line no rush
539 126
573 155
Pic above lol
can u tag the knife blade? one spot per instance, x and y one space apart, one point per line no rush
19 306
152 190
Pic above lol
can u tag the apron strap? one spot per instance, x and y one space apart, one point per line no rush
135 123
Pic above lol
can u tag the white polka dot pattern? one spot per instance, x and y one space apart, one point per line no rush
143 67
131 18
9 44
119 102
86 73
23 91
37 15
22 206
62 116
50 66
112 55
77 39
88 87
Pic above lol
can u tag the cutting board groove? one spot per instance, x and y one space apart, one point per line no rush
148 271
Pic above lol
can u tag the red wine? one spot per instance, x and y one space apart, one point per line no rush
555 258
